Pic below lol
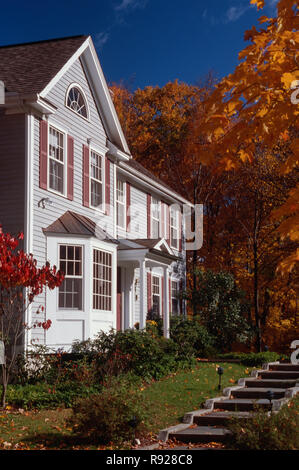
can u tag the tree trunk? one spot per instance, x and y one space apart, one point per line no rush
256 284
4 386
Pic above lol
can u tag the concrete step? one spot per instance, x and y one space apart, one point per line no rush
286 367
279 374
202 434
242 404
258 392
220 418
272 383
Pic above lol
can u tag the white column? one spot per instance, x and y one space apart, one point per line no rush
166 303
142 277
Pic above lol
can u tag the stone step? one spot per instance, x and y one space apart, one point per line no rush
279 374
242 404
201 434
220 418
258 392
272 383
287 367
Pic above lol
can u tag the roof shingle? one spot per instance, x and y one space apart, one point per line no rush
28 68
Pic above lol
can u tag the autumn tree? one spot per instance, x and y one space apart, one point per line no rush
20 282
253 106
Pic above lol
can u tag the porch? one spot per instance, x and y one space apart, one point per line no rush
137 262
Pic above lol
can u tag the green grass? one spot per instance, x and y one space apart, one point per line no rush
168 400
186 391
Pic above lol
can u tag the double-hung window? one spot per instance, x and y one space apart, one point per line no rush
155 207
102 280
174 298
174 228
56 160
156 288
96 179
70 263
120 204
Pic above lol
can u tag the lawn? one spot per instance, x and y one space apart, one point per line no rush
168 400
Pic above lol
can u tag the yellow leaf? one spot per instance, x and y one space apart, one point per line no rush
258 3
288 78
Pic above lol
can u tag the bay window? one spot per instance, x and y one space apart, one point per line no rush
102 280
70 263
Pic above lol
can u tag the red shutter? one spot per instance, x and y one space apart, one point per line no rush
149 200
107 185
162 293
168 224
85 176
181 299
70 167
128 197
180 231
169 290
163 235
149 291
43 154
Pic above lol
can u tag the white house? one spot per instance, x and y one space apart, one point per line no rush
69 182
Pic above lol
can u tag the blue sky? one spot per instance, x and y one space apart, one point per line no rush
142 42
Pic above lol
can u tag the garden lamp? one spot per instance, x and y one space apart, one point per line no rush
133 424
270 396
220 371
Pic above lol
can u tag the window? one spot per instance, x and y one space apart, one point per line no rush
174 230
76 101
56 160
102 280
70 291
96 181
174 298
155 207
120 204
156 295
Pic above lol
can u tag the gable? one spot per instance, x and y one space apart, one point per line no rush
92 128
92 68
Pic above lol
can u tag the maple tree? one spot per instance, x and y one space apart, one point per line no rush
253 106
235 150
20 282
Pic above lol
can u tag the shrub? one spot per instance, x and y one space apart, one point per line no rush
192 338
116 415
252 359
222 308
277 431
139 352
40 396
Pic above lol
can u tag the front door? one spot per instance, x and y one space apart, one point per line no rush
119 301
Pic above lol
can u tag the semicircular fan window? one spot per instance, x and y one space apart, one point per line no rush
76 101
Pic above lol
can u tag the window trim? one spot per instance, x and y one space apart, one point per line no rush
58 128
175 227
96 310
160 293
77 85
176 298
153 218
102 155
70 309
122 203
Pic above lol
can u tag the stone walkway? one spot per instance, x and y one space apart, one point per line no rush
268 388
